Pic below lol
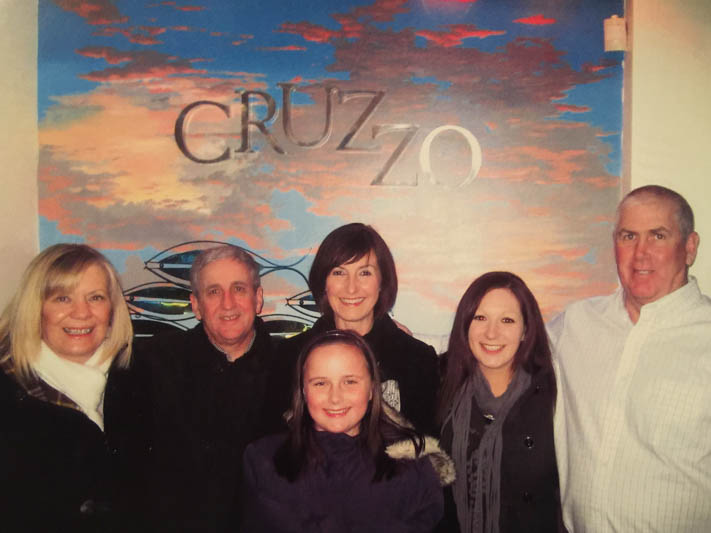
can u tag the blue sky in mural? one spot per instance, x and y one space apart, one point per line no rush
527 79
188 33
195 27
217 29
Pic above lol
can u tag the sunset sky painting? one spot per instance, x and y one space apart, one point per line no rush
473 135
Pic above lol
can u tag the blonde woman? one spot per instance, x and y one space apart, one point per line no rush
65 339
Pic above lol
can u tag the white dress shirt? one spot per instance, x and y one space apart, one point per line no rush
633 419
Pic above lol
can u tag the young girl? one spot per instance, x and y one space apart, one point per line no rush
346 463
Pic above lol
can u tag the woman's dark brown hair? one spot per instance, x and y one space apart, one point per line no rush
533 353
348 244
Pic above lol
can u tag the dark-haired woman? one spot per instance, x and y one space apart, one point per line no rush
497 405
354 283
345 464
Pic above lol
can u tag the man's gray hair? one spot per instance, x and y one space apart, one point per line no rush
224 251
684 213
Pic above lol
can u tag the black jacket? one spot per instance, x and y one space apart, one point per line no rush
402 358
203 410
59 471
338 495
530 499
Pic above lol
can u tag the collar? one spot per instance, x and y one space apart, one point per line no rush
673 303
227 356
259 332
670 305
381 326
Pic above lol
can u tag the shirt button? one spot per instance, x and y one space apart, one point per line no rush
528 442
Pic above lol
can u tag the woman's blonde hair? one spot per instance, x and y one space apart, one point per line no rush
58 269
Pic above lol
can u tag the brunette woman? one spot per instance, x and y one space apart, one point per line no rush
497 407
354 283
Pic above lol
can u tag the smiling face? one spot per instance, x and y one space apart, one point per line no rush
227 304
495 334
651 254
75 322
337 388
352 290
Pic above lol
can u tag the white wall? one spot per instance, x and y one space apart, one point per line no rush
18 141
667 119
668 108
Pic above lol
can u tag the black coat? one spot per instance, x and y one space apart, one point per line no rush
338 495
202 411
59 471
402 358
530 498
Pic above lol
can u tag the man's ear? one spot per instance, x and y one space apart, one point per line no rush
195 305
692 246
260 300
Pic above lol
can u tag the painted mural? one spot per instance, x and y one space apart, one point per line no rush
474 135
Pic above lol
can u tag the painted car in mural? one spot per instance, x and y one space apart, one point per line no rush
161 305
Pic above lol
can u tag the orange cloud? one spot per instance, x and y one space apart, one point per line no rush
94 11
51 206
152 30
573 253
141 65
309 31
539 211
603 182
351 27
604 64
536 20
145 161
381 10
536 164
134 35
456 33
107 53
563 108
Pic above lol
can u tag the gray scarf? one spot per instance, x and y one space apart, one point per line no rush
477 489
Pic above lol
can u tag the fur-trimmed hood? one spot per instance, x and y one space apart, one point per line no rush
442 463
405 449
